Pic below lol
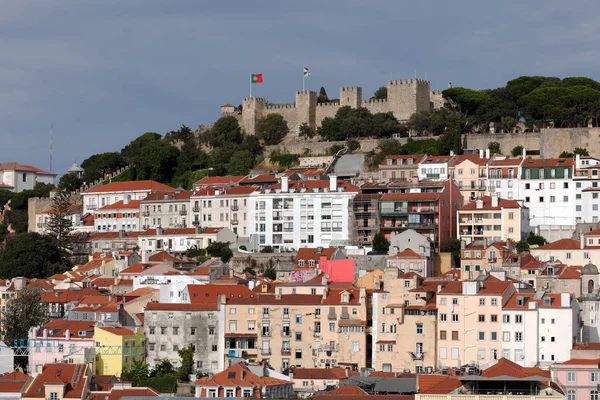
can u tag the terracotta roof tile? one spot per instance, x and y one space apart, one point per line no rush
347 390
511 304
120 205
118 393
13 382
561 244
490 287
407 253
548 162
131 186
73 376
487 204
171 196
320 373
219 180
581 361
506 367
239 375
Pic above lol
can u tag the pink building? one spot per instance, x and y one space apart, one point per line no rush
579 378
61 341
338 270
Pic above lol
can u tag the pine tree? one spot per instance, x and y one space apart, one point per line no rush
60 225
322 97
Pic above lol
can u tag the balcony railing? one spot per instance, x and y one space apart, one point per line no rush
234 222
265 352
417 356
234 207
183 212
286 352
332 317
42 224
92 207
196 209
195 222
492 259
432 175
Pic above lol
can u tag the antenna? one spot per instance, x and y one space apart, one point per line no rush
51 140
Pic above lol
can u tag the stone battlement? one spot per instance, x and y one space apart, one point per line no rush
374 101
436 92
280 106
408 82
254 98
349 89
308 92
329 104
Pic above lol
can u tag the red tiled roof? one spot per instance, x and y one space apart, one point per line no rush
348 391
120 205
437 159
593 233
490 287
13 382
429 196
474 158
586 346
131 186
426 382
262 178
239 375
309 185
548 162
511 304
203 294
135 269
326 396
13 166
440 386
487 204
174 195
219 180
59 327
68 295
118 393
72 376
506 162
581 361
119 331
320 373
181 307
506 367
561 244
407 253
162 256
415 157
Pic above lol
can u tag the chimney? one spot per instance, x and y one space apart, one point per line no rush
565 299
159 231
68 334
121 234
480 153
332 183
494 200
577 160
524 152
217 192
487 153
198 229
144 256
126 200
451 152
45 333
582 241
284 184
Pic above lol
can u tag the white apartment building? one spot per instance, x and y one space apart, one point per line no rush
17 177
539 328
113 192
222 206
504 177
179 240
166 210
296 214
123 215
570 251
587 189
435 168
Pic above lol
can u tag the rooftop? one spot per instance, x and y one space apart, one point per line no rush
131 186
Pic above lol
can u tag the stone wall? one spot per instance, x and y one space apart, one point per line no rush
325 110
319 148
508 141
315 162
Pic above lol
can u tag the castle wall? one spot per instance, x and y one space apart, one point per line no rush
405 97
376 106
324 110
508 141
436 100
288 112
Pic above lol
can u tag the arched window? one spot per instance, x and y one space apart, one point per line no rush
591 286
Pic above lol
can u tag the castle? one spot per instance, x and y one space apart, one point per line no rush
404 98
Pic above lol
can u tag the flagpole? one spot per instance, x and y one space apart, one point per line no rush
303 78
250 86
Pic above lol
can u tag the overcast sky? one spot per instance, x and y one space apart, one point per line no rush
106 71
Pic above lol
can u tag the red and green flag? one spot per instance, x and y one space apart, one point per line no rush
256 78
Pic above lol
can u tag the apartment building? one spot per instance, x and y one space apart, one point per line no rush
60 381
218 181
131 343
555 277
570 251
432 214
587 185
404 324
222 206
546 186
578 377
100 196
166 210
539 329
400 167
366 218
481 257
170 327
17 177
295 214
435 168
590 303
319 330
179 240
504 177
470 173
470 321
409 261
122 215
493 219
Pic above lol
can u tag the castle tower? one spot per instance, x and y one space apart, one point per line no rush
406 97
306 109
252 112
351 96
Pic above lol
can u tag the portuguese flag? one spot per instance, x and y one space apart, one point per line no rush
256 78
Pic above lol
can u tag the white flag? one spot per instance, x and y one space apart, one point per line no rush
306 71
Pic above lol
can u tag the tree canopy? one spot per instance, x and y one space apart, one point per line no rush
31 255
272 129
359 122
60 224
156 161
380 93
322 97
97 165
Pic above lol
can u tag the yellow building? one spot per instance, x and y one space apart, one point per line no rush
122 346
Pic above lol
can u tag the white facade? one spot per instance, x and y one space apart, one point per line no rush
540 328
17 178
166 210
307 214
179 240
435 168
96 198
503 177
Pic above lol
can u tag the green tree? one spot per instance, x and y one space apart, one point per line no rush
272 129
5 196
249 270
578 150
452 246
23 312
3 231
466 100
184 133
60 225
380 243
188 157
322 97
97 165
522 246
241 162
494 147
186 356
156 161
306 132
269 272
380 93
220 249
251 143
163 368
139 370
30 255
226 131
534 239
517 150
267 249
130 151
70 182
508 123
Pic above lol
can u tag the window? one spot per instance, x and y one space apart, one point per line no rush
482 302
419 329
593 395
332 327
594 377
481 336
541 199
176 330
192 331
442 335
494 318
443 317
298 318
481 317
571 394
163 330
454 317
518 354
571 377
455 301
298 336
518 336
494 302
494 336
232 326
356 347
232 310
53 395
454 335
518 319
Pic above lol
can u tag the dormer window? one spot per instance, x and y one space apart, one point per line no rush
547 301
520 301
301 263
345 298
311 263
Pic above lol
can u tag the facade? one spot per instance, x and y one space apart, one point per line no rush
17 177
435 168
131 343
222 206
400 167
179 240
295 214
539 329
470 321
366 218
587 184
590 303
123 215
432 214
104 195
411 239
504 177
308 381
320 330
59 382
409 261
470 173
569 251
494 219
170 327
481 257
166 210
578 378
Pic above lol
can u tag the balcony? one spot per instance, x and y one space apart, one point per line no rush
286 352
195 222
92 207
432 176
344 316
234 222
145 213
42 224
183 212
196 209
332 317
265 352
417 356
492 260
234 207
